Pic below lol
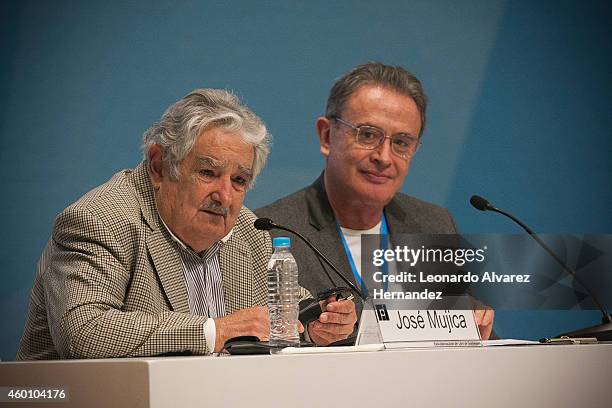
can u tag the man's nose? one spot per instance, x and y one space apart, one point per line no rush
382 153
223 191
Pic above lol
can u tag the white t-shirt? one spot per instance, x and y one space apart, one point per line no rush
353 241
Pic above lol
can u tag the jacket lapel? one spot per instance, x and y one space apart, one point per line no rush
237 274
165 257
327 238
169 268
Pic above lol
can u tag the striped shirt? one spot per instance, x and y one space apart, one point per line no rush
203 280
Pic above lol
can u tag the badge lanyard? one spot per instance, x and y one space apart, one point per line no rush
384 232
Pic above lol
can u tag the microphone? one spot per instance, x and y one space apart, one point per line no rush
266 224
483 204
480 203
603 331
263 224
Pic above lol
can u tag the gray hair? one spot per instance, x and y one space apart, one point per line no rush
376 73
183 122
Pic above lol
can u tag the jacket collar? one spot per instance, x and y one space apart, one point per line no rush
146 196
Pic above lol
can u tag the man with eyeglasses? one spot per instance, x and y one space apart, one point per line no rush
371 130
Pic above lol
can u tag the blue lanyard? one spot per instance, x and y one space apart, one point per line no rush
384 232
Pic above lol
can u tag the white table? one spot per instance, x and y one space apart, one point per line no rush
518 376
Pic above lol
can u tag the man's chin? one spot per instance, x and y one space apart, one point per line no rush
218 223
376 192
213 222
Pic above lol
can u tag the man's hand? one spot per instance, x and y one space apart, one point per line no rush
252 321
484 320
244 322
335 323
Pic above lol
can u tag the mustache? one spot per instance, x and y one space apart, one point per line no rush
214 207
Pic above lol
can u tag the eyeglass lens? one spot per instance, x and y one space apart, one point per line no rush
372 137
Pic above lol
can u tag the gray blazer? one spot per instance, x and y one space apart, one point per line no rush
308 212
110 282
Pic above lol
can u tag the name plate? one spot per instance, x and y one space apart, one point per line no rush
426 328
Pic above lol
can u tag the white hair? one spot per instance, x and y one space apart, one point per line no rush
182 124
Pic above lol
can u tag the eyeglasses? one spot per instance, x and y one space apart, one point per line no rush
370 137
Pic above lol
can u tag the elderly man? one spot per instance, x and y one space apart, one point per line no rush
164 258
371 130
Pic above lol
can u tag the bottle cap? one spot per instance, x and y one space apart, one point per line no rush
281 242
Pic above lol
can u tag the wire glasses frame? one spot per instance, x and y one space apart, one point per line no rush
371 137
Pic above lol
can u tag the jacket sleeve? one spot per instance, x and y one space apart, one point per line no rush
86 279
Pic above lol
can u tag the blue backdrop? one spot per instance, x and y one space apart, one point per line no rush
520 107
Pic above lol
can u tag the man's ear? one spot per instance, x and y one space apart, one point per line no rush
323 127
155 165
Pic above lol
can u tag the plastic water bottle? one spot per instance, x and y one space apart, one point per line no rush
283 295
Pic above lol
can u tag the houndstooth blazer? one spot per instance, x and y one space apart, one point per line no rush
110 281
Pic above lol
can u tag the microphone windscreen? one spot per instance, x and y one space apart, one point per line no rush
480 203
263 224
